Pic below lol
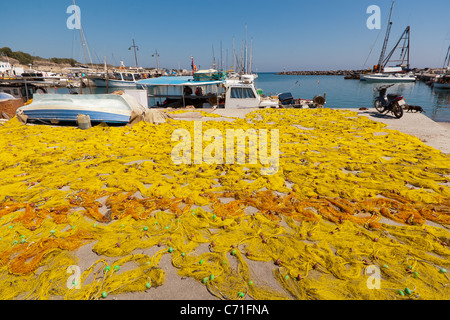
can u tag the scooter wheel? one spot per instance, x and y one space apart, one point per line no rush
397 110
379 106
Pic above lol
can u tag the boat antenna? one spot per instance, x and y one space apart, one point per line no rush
386 38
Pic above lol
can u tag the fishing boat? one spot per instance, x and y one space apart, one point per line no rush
64 108
9 105
209 75
119 79
442 81
6 70
172 91
21 89
185 91
400 71
287 101
241 93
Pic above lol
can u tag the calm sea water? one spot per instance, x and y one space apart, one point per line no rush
341 93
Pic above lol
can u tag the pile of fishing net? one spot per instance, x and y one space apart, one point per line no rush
355 211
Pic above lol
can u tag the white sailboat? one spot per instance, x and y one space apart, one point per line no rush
400 71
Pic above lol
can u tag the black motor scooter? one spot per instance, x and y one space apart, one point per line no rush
391 103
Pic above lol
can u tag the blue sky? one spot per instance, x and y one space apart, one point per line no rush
287 34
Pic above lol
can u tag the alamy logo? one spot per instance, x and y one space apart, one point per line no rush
73 282
374 279
74 20
258 145
374 21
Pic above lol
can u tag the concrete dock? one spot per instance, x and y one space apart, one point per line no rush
434 134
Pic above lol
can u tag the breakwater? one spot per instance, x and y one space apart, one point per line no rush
323 73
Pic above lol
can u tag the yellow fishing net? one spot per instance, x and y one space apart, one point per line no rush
355 211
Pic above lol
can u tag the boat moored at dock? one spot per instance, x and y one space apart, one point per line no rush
389 77
184 91
400 71
442 82
118 80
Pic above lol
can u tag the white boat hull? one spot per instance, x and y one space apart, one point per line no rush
109 108
114 83
380 77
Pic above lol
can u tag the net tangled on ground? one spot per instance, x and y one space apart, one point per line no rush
355 211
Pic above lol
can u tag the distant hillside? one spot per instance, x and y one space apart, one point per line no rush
26 59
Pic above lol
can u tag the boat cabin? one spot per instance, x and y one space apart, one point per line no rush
126 76
185 91
176 92
240 94
21 89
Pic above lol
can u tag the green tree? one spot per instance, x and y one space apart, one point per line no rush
6 51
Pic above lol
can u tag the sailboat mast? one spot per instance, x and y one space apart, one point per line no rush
386 38
404 54
214 58
447 59
82 36
245 59
156 58
135 55
242 58
226 59
221 54
251 55
409 39
232 55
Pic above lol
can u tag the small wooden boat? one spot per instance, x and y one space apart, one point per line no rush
64 108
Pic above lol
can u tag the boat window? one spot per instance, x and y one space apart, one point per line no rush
7 91
242 93
16 92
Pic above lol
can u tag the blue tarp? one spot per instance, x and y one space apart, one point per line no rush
6 96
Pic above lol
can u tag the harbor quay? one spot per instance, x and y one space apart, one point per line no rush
108 214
